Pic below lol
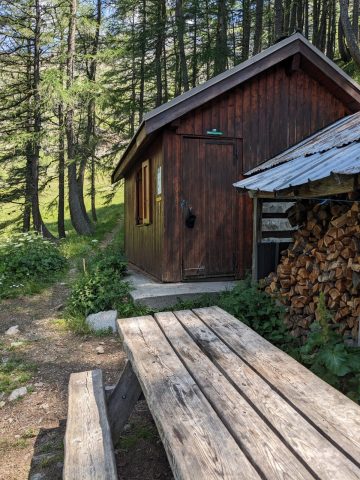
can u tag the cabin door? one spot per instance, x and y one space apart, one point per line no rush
209 203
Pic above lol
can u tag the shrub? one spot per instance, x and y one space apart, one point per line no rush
97 291
326 354
101 287
27 262
257 309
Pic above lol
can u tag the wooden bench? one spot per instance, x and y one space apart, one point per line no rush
229 405
89 452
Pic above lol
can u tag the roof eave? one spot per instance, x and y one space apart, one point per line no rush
129 153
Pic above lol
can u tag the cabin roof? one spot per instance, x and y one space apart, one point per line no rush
332 152
325 70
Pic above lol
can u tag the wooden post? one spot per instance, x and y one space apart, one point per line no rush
122 401
256 213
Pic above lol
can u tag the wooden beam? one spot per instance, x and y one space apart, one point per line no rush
122 401
333 185
89 451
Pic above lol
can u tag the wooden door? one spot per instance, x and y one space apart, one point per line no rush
209 169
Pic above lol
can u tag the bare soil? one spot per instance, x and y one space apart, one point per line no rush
32 428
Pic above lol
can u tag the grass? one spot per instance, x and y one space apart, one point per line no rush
140 433
15 373
74 248
19 443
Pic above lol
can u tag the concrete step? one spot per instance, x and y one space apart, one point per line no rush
159 295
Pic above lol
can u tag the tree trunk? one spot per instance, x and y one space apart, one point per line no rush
93 189
306 19
221 50
160 34
35 147
194 52
293 13
78 220
286 11
323 25
246 28
61 168
180 30
355 18
142 60
278 19
349 32
343 50
258 26
316 20
331 36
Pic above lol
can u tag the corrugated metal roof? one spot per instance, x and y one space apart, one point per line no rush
333 150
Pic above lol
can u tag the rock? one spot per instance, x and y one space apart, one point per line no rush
38 384
37 476
100 350
12 331
17 393
102 320
127 427
2 404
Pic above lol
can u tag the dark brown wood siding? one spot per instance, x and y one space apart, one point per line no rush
143 243
269 113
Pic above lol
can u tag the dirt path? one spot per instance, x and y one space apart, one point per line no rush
32 428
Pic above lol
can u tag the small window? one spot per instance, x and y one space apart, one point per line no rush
143 194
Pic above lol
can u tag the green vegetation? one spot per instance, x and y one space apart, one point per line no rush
101 286
27 263
14 373
326 354
140 432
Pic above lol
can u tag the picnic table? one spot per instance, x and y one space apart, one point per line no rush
227 404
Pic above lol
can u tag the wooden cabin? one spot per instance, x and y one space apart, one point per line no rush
184 219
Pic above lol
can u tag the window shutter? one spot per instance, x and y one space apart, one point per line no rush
146 191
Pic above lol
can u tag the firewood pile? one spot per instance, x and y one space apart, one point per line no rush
325 257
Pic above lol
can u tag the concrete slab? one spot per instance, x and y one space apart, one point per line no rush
153 294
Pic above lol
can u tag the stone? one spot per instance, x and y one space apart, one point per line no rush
102 320
37 476
127 427
100 350
2 404
12 331
17 393
38 384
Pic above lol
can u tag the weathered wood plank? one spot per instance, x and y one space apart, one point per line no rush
272 457
323 457
197 443
334 414
89 452
122 401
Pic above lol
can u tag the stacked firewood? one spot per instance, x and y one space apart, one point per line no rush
325 257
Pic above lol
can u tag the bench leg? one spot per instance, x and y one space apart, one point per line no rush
122 401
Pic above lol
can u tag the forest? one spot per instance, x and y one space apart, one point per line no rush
77 77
